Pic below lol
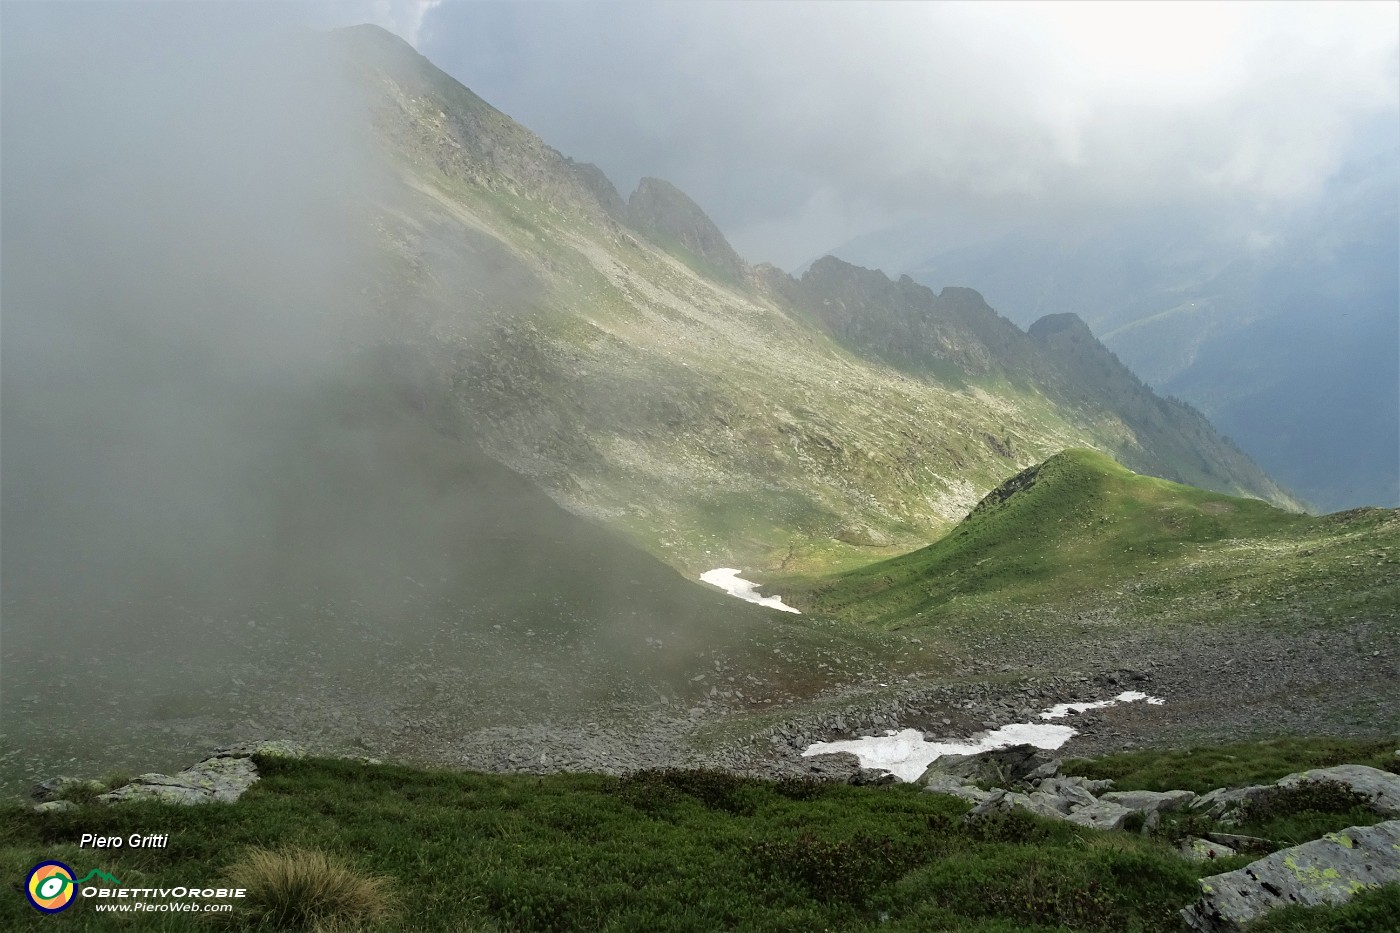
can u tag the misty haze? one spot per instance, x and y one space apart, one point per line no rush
716 410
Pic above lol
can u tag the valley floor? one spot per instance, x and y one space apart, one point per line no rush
1220 684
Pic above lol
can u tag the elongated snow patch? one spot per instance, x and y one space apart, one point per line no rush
727 579
907 755
1059 711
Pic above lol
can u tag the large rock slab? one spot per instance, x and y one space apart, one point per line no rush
1203 850
1381 786
223 776
1000 766
1039 804
1329 870
213 780
1050 769
956 787
1003 801
1102 815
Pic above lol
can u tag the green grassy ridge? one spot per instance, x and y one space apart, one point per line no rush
1079 529
655 851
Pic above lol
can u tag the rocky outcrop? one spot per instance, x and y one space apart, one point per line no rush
841 767
223 777
1148 801
1042 789
58 788
601 187
221 780
1380 788
1034 784
1101 814
1329 870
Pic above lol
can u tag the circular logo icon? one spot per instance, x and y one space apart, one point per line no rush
49 887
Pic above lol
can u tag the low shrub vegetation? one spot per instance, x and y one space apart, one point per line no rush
335 845
1205 768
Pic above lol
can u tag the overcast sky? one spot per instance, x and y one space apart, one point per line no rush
798 126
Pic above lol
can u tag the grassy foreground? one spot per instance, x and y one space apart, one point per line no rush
335 845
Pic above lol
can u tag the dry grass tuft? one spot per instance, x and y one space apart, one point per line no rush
295 888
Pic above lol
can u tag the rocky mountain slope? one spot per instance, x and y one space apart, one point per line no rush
1287 343
640 372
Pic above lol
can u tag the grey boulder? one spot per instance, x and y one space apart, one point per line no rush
55 806
1102 815
1050 769
833 766
1329 870
1002 801
1001 766
1039 804
1203 850
1065 794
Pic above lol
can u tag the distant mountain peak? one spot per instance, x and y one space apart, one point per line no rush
970 296
667 216
597 181
1067 324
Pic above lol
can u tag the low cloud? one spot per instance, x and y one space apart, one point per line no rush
799 125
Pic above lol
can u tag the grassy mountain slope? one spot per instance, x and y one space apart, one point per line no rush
640 373
1081 532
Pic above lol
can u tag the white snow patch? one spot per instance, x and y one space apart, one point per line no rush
727 579
1061 710
906 754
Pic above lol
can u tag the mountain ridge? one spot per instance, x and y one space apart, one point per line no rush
629 365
